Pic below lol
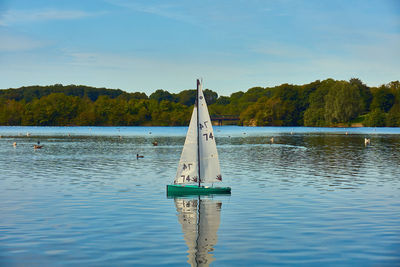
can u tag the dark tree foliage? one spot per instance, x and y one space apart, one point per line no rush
365 93
223 100
211 96
320 103
383 98
186 97
31 92
161 95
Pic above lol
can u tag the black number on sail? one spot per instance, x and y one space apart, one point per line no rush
201 126
187 178
211 136
186 166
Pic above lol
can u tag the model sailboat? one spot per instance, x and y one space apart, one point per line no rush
199 161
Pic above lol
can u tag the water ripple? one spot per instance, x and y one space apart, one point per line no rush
302 200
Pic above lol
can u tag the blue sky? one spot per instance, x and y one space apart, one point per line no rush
233 45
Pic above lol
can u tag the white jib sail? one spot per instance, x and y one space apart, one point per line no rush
209 163
187 169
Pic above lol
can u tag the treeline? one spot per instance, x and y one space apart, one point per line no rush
320 103
59 105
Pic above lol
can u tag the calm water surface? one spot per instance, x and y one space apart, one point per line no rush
316 196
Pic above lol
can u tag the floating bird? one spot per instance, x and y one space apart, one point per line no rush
15 144
139 156
38 146
367 141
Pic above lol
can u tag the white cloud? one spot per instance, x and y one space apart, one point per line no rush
23 16
13 43
170 11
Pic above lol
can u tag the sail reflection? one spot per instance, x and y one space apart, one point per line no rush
200 219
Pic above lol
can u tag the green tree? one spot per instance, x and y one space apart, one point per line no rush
342 103
365 93
314 115
210 96
11 112
383 98
265 112
186 97
160 95
393 116
376 118
52 110
86 115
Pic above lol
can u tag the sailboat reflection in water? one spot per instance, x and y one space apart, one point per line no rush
200 219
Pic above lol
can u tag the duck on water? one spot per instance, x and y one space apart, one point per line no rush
38 146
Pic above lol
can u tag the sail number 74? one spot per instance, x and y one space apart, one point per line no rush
208 136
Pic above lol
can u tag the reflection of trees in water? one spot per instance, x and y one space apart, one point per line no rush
327 160
345 157
338 159
383 157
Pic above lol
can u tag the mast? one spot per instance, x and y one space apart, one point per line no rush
198 129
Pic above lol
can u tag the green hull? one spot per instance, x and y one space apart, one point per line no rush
185 190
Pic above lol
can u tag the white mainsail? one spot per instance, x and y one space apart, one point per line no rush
200 220
209 163
199 148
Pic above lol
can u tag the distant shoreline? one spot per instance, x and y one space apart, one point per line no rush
330 102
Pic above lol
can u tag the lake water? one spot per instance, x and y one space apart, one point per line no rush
316 196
